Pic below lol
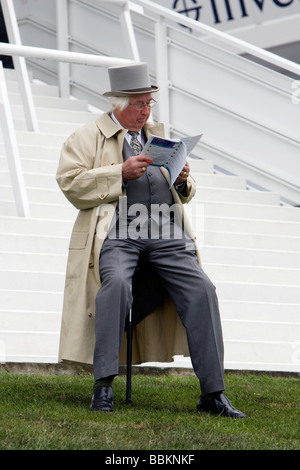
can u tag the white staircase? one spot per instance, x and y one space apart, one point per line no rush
33 252
251 250
250 247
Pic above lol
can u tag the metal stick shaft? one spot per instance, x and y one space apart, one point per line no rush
129 359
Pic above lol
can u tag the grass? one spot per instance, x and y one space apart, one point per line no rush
52 413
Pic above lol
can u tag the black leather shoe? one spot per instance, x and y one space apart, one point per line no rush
103 399
220 406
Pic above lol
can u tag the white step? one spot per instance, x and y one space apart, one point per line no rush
49 127
233 195
258 310
231 224
27 279
34 166
32 300
41 211
38 89
255 330
11 75
259 292
56 115
261 355
47 168
34 152
201 166
245 210
48 227
253 241
42 101
43 262
11 320
33 243
204 180
40 139
31 346
259 274
249 257
45 195
33 180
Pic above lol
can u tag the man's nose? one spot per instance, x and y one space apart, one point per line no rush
146 110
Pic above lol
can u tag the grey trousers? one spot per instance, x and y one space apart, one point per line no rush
192 291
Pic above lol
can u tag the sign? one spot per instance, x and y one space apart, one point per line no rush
231 14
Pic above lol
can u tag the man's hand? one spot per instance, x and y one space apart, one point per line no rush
183 176
135 167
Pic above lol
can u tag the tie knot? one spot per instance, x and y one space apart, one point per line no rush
135 145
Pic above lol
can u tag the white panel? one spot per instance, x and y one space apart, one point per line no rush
264 356
244 140
235 90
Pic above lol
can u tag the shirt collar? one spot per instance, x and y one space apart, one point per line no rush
128 136
117 122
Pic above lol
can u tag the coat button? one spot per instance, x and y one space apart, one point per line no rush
90 315
91 265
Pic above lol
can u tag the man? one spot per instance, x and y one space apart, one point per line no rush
119 244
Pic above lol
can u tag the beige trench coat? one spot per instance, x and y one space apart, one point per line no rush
90 176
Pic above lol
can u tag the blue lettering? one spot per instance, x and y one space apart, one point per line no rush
228 10
215 12
279 3
191 8
260 4
230 17
184 9
282 4
243 9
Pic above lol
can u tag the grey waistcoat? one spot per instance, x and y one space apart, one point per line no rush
145 195
151 188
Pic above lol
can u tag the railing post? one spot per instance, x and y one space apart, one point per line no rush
12 150
62 38
162 72
128 32
20 66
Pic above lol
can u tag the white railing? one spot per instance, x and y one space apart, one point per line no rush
61 56
19 52
164 16
12 150
211 33
20 65
9 135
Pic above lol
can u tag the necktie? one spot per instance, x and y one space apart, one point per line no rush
134 143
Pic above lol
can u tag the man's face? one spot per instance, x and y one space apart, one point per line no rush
136 114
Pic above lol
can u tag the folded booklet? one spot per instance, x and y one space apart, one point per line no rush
170 153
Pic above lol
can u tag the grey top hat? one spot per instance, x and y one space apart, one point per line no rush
130 79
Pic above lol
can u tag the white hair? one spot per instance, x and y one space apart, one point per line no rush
118 102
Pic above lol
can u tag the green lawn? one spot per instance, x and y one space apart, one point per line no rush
52 412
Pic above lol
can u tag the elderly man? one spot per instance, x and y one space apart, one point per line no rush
104 173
